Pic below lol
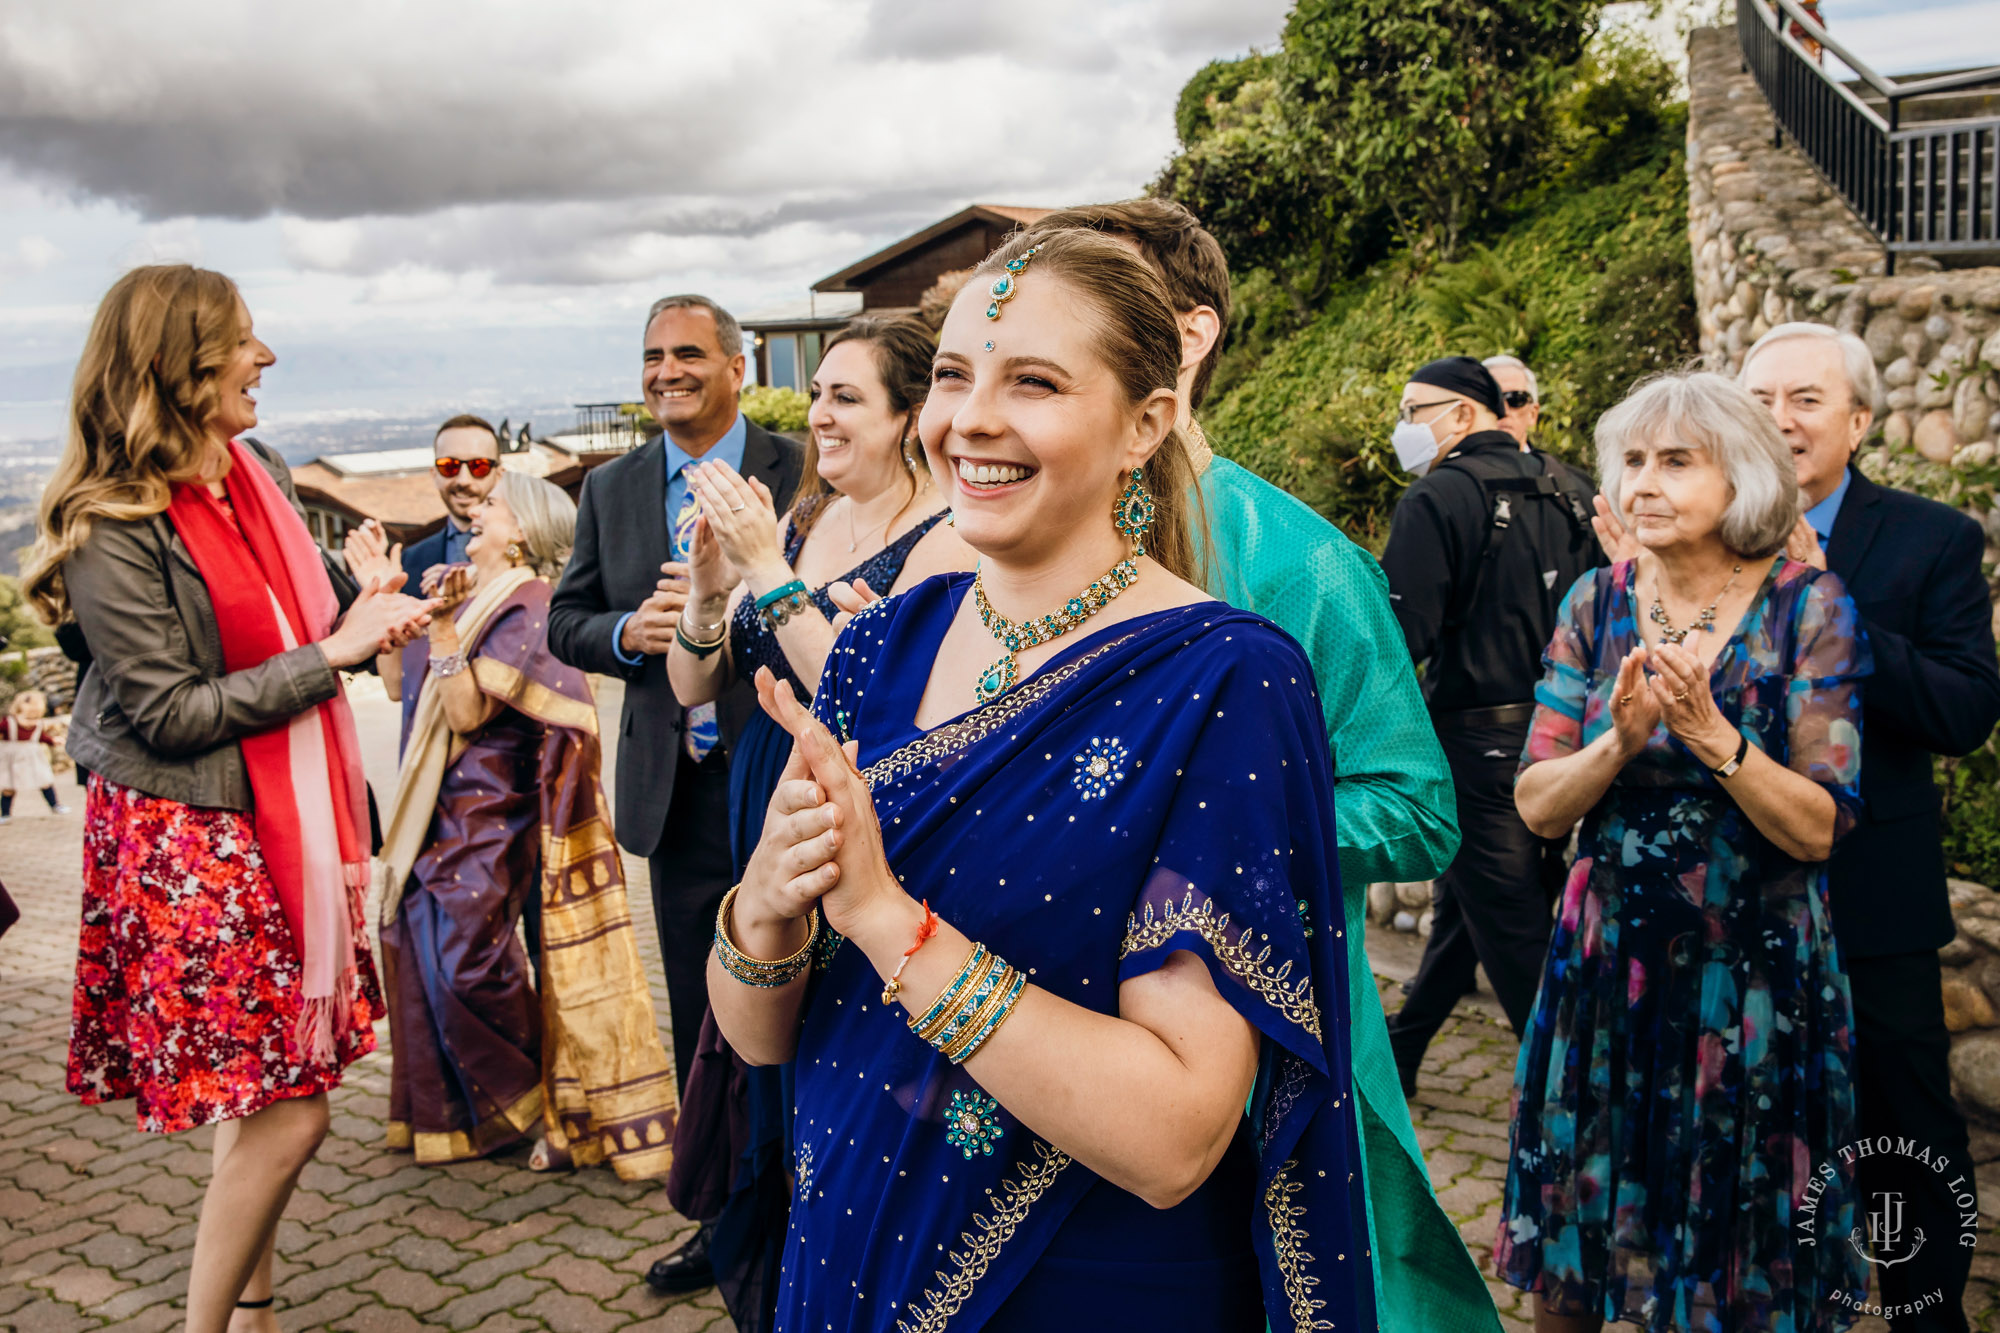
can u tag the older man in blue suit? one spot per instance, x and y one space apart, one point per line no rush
1913 568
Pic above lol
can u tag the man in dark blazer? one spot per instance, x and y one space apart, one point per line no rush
615 612
465 466
1912 567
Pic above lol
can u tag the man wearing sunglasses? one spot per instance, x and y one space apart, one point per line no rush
1519 393
465 467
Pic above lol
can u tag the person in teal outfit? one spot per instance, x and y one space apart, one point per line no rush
1393 796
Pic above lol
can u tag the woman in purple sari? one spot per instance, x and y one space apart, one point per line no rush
1120 790
498 806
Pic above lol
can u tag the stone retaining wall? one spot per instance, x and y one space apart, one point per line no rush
1772 242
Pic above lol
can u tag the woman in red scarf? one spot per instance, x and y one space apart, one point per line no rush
221 974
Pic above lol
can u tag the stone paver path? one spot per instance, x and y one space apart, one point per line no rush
97 1220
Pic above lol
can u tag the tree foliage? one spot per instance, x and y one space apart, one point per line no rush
1376 121
1431 109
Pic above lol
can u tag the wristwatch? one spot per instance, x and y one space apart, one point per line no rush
1727 769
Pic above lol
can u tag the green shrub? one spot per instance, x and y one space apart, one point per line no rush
1971 791
1590 286
776 409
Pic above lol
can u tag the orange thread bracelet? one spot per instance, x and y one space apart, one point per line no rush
924 932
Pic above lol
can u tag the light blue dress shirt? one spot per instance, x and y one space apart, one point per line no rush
1822 515
728 449
456 539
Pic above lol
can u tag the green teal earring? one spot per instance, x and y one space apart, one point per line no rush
1133 513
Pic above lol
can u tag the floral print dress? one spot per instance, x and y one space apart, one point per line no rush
188 982
1687 1067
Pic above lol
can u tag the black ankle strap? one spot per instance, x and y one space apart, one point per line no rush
264 1304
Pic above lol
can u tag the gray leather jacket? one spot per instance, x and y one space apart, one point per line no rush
156 711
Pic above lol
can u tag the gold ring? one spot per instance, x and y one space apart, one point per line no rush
1624 698
1681 697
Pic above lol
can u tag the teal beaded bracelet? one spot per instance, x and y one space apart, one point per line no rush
780 593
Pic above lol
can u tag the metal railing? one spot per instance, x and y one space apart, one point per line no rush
1930 188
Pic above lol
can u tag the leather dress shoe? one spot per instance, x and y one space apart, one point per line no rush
686 1269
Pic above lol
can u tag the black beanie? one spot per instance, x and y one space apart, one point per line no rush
1463 374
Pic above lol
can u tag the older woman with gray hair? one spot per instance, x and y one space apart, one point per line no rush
1685 1077
498 814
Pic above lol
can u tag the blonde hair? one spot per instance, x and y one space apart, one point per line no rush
1719 416
145 389
1139 338
546 517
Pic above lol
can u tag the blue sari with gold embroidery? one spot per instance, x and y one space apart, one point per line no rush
1161 785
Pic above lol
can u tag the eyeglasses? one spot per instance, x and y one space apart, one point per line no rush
1408 412
478 467
1516 399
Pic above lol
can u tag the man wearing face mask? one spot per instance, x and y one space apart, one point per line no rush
1482 548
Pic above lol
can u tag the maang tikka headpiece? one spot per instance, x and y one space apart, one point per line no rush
1008 283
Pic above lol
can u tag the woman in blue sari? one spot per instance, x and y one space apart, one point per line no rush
1121 790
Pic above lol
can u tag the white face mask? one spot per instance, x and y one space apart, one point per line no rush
1416 443
1416 447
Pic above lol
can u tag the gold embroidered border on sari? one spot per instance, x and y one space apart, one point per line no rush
1292 998
609 1091
504 1126
953 737
931 1312
1289 1238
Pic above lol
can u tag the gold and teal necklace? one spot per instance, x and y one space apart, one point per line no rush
997 679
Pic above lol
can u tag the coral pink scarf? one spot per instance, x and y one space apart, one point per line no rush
271 594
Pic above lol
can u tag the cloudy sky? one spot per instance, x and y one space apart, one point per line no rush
436 204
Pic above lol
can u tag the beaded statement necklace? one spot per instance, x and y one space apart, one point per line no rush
1704 619
997 679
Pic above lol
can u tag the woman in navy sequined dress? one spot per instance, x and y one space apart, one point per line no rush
867 522
1684 1084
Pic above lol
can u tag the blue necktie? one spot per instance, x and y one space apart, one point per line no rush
702 732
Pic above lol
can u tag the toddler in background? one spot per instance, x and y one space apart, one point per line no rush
25 741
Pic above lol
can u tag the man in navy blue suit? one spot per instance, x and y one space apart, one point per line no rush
1912 567
465 465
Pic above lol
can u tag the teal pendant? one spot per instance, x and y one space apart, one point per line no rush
993 311
997 679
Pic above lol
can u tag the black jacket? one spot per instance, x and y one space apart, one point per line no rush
157 710
1912 567
621 542
1476 585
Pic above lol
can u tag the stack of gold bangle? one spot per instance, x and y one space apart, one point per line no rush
755 971
972 1008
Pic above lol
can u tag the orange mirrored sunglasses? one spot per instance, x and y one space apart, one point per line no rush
478 467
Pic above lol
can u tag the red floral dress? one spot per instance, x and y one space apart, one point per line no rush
187 976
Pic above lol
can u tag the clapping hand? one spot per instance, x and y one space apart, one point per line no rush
380 620
850 599
1679 688
455 586
1612 535
857 879
741 514
1803 545
650 629
1634 711
369 555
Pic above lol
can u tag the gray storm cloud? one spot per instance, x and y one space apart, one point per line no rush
578 143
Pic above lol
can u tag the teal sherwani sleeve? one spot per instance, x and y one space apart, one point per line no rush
1398 819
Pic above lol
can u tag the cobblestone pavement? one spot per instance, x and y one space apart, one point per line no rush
97 1220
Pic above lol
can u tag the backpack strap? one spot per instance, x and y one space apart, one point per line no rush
1555 480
